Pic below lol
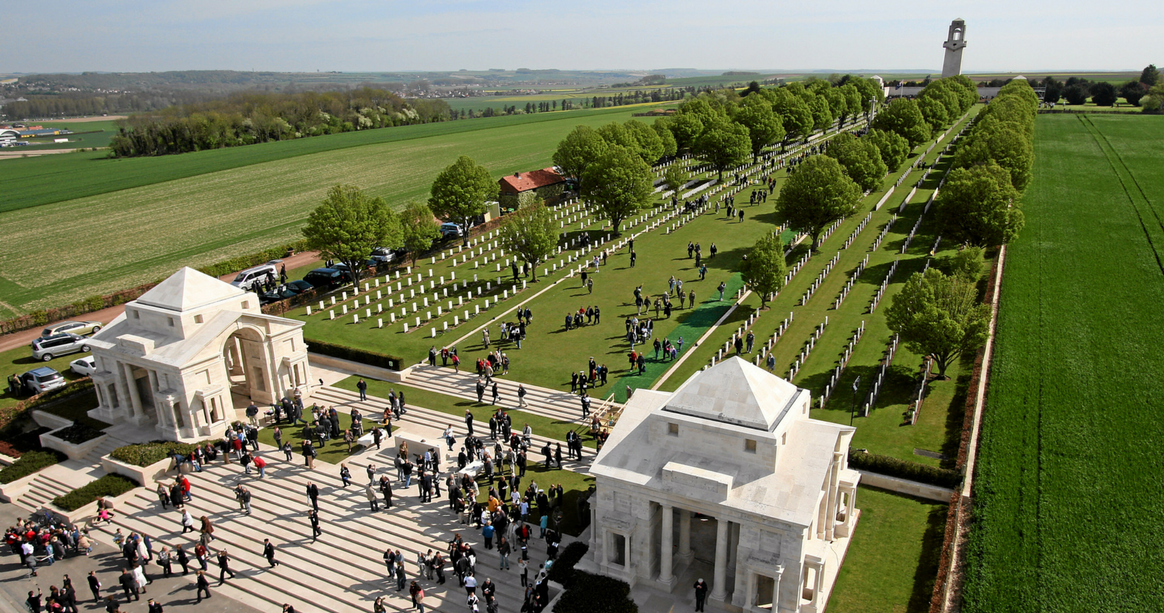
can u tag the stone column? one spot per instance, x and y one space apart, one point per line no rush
685 534
665 576
134 396
831 510
719 578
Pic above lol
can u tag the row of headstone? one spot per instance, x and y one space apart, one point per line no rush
880 293
884 231
850 283
857 231
846 354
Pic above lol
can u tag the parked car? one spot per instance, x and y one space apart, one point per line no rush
285 291
327 278
43 379
383 255
80 328
85 366
48 347
450 230
253 278
369 266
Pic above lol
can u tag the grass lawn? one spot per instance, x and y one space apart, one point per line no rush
334 452
18 361
1069 515
145 217
893 559
456 407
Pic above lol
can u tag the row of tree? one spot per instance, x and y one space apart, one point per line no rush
246 118
1077 90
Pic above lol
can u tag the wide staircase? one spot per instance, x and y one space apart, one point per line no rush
342 572
44 487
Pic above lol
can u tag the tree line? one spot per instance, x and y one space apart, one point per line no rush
247 118
1146 91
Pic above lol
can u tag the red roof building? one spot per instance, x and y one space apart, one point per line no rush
520 182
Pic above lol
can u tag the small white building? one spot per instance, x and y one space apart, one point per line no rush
179 353
734 457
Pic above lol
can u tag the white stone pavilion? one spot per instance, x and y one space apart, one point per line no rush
733 456
188 351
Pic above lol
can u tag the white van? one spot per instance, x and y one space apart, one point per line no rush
252 279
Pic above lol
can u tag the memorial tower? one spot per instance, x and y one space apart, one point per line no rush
955 42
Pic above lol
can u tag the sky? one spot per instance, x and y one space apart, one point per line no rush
393 35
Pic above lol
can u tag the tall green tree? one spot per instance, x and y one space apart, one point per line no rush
1132 91
1104 94
939 316
529 231
763 125
764 269
979 206
663 129
934 113
893 147
419 228
685 127
581 146
1003 144
904 118
794 114
1150 75
817 194
860 158
650 145
723 144
461 191
619 182
348 225
675 178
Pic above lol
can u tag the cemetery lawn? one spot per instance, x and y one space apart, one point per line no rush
893 559
145 217
456 407
1069 511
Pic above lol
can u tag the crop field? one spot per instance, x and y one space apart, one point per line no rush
67 250
1069 509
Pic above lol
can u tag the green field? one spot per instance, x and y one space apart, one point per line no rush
1069 509
199 208
893 559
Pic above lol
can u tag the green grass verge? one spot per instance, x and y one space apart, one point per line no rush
1068 512
892 561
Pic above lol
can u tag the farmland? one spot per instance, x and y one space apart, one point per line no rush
1068 505
199 208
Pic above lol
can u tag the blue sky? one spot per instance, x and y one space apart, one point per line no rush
390 35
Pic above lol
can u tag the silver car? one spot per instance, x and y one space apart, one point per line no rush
48 347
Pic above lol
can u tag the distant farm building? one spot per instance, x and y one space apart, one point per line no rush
547 183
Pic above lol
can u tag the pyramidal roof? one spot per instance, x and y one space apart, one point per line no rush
188 289
735 392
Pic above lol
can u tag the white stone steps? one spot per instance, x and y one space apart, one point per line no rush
215 495
439 421
41 492
542 401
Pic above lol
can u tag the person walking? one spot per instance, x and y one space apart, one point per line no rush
224 566
203 585
313 517
521 395
182 558
269 552
153 606
721 288
187 521
313 496
95 586
129 586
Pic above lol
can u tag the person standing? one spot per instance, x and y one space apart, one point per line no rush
721 288
183 559
700 594
313 495
154 606
166 562
521 395
372 500
269 552
129 586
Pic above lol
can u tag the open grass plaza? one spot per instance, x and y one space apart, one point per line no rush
333 327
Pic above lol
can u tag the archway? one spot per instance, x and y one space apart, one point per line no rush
244 356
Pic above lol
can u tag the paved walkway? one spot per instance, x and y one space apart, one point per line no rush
343 572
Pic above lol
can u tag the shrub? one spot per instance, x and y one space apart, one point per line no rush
911 471
596 594
563 569
76 434
391 362
145 454
29 463
109 485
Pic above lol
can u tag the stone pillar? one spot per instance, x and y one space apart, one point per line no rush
134 396
665 576
831 511
719 578
685 534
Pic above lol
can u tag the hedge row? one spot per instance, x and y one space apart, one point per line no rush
29 463
109 485
43 317
371 358
7 414
563 569
910 471
596 594
144 454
